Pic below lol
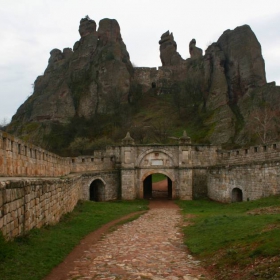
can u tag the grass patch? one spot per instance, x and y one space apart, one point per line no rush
34 255
158 177
227 235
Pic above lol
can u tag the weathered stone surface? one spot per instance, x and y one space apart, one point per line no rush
109 31
44 203
80 83
168 50
150 247
244 63
87 26
97 77
195 52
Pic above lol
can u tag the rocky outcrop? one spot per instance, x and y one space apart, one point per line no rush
217 99
168 50
95 89
87 26
244 63
93 78
230 68
195 52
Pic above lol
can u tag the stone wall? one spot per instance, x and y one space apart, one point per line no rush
174 161
254 154
98 161
18 158
145 76
204 156
27 203
254 171
199 183
254 180
161 79
111 183
140 161
120 171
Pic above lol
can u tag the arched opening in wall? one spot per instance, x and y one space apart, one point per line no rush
97 191
157 186
237 195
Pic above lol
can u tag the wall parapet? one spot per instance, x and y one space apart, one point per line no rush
99 160
253 154
18 158
254 181
29 203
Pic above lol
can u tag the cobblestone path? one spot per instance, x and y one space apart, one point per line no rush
150 247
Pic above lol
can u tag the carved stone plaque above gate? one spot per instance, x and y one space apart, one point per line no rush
157 162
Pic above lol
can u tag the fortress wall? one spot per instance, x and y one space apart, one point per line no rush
254 154
145 75
18 158
254 180
110 179
199 183
162 77
27 203
99 161
204 156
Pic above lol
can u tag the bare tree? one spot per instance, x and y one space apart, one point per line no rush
263 123
160 130
3 123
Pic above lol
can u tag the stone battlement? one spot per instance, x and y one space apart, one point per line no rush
250 155
18 158
31 196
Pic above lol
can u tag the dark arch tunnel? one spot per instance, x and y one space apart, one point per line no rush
237 195
157 190
97 191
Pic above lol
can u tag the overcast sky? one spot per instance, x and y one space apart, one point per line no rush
30 29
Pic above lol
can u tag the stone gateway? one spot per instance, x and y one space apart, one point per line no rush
37 187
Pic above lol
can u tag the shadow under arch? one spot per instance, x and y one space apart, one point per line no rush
159 190
236 195
97 190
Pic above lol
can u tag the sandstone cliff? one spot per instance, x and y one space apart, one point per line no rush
92 78
91 95
215 85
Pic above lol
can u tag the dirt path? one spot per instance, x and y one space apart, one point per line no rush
150 247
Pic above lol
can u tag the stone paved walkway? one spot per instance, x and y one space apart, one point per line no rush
150 247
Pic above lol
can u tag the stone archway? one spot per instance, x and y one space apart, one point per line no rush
236 195
157 190
97 190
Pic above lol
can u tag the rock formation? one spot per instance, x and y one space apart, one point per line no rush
93 78
244 62
168 50
195 52
93 91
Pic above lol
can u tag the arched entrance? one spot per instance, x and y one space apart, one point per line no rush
237 195
97 190
157 186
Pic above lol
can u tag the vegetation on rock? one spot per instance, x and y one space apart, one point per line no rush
93 94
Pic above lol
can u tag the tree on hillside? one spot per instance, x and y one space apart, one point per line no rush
3 123
263 124
160 130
